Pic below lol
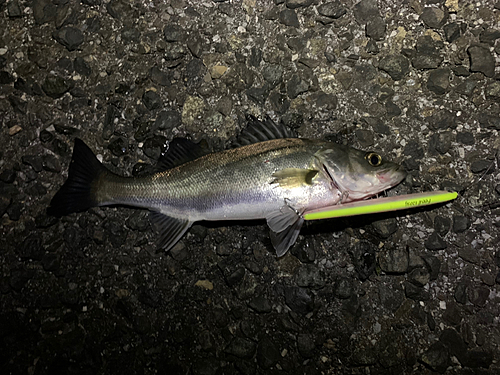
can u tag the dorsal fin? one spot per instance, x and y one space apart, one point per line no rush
260 131
180 151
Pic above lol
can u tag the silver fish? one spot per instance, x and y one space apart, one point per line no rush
272 176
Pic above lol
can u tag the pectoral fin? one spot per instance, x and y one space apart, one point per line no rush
293 177
285 226
171 229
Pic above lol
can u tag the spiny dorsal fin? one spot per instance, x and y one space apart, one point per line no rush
260 131
180 151
293 177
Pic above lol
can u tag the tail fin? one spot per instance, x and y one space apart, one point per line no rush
77 193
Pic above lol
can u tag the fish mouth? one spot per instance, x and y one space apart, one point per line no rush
391 177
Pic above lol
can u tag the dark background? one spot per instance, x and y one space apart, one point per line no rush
413 292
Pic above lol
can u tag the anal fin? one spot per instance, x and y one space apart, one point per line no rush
171 229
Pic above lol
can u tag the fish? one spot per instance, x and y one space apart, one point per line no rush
272 175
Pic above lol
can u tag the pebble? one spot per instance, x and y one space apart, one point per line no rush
260 304
433 17
415 293
51 262
205 284
493 90
460 294
55 86
441 142
428 53
478 358
433 264
118 146
333 9
293 4
478 296
13 130
481 60
6 78
19 276
288 17
489 121
241 348
168 120
225 105
235 277
442 120
70 37
454 342
118 8
195 73
437 357
174 33
306 345
465 138
138 220
130 35
296 86
452 31
195 44
392 109
397 66
14 9
364 137
31 248
419 276
375 28
258 94
34 161
442 225
160 77
153 147
8 175
481 166
309 276
51 163
268 353
439 81
385 228
343 288
393 260
435 242
152 100
489 36
365 10
273 74
44 11
298 300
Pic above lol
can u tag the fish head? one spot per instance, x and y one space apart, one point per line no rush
359 174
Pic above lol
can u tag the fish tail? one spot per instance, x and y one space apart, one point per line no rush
79 191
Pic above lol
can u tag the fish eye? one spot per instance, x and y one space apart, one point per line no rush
374 159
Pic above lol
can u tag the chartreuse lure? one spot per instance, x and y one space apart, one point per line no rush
375 206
